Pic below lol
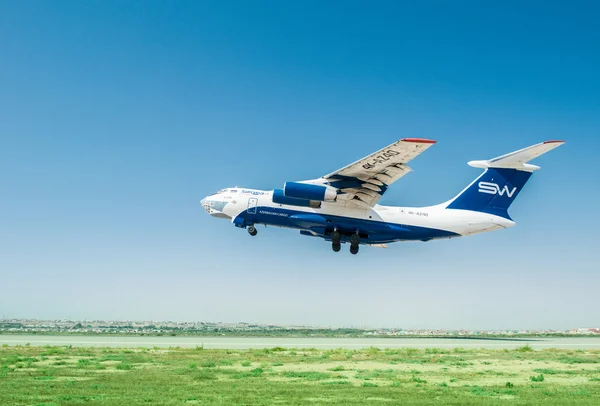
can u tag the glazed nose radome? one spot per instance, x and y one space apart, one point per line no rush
214 206
204 203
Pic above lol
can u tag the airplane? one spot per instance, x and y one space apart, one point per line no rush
341 207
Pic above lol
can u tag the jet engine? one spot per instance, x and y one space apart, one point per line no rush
308 191
280 198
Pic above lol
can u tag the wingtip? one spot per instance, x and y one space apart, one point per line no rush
554 142
419 140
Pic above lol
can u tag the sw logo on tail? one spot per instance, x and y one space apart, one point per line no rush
493 188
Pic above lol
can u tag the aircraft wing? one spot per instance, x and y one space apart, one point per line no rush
366 180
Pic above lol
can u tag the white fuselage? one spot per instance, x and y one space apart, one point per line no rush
236 203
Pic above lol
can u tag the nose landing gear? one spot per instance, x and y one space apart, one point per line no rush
252 230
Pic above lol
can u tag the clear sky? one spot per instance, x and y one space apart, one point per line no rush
116 118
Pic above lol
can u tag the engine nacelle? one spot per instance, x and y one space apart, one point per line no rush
280 198
309 192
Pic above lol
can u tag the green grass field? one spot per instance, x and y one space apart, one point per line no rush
109 376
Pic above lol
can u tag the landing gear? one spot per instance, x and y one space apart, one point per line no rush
335 241
252 231
354 241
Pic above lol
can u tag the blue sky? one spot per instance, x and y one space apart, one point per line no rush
116 118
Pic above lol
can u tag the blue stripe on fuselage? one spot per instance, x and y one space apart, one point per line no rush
372 231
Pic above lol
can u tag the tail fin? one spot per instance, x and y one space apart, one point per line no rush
494 191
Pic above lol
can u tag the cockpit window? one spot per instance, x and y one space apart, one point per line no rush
221 191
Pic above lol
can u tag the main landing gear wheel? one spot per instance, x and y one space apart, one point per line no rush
252 231
335 241
354 241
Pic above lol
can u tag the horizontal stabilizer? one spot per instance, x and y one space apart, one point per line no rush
518 159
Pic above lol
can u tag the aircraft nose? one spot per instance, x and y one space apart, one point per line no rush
214 207
205 204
